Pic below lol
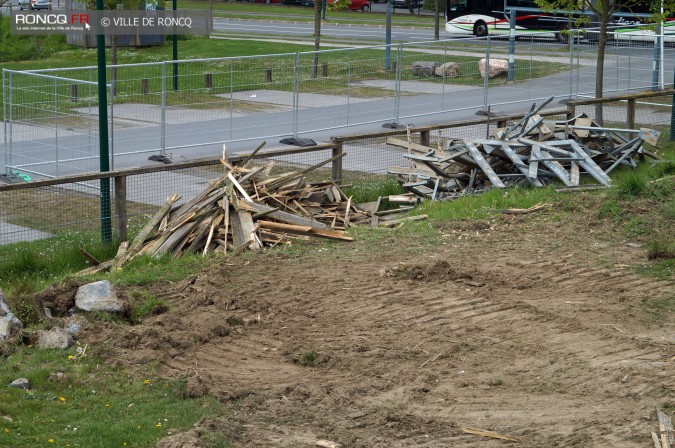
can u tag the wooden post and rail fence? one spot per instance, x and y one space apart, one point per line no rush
336 146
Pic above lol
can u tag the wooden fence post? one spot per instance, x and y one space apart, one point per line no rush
208 80
268 75
630 114
73 92
425 138
121 207
337 164
145 86
324 69
571 111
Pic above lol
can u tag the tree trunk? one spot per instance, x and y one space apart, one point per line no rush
317 37
437 19
600 67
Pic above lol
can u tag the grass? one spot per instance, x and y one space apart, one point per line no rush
90 404
149 305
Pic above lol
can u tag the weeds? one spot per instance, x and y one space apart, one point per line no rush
150 306
309 358
630 184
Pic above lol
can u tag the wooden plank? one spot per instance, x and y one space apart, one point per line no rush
403 199
580 188
368 207
89 257
349 206
282 216
243 229
143 234
405 171
490 434
249 156
396 222
655 439
169 239
666 429
304 230
482 163
394 211
574 173
584 121
95 269
280 181
412 146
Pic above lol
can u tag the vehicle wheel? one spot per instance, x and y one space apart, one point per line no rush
562 33
365 8
480 29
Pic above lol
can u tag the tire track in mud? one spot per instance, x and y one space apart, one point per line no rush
514 331
571 342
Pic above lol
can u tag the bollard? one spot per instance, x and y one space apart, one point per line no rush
268 75
145 86
73 92
208 80
324 70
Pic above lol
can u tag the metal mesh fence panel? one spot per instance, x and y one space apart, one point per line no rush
437 77
51 124
218 100
39 213
339 88
633 62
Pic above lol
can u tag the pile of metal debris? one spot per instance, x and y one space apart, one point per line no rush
531 151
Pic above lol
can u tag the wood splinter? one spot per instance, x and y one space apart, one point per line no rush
490 434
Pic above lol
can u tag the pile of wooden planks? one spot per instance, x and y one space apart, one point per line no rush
247 207
530 151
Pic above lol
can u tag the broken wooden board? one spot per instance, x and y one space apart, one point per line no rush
491 434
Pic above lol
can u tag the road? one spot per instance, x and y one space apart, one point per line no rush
328 30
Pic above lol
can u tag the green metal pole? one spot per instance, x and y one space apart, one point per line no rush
175 56
672 114
104 159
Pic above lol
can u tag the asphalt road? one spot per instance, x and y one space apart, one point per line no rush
304 29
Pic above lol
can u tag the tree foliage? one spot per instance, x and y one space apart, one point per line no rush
603 11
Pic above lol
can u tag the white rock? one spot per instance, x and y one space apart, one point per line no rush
496 67
56 338
447 70
98 296
9 324
20 383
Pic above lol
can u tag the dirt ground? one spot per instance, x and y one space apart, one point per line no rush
527 326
